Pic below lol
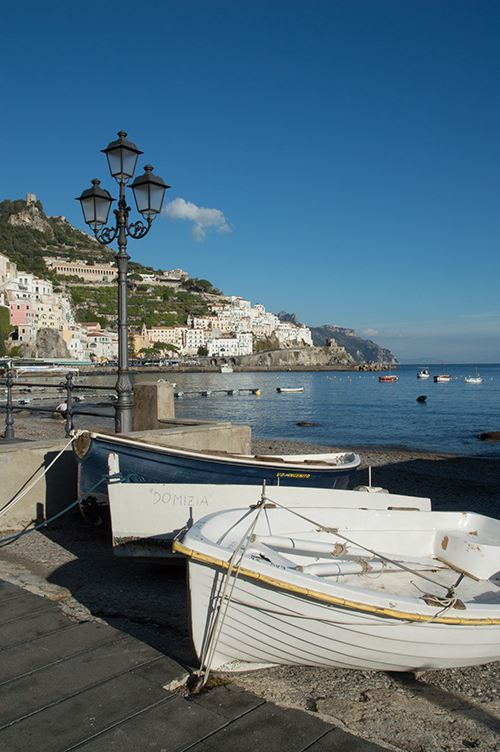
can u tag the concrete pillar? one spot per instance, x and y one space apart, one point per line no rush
154 402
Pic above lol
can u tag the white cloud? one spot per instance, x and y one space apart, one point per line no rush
369 332
202 218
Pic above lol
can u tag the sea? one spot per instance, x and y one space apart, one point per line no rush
350 410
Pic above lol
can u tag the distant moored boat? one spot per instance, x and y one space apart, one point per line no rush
442 378
473 379
388 379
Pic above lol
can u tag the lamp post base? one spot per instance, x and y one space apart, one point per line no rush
124 407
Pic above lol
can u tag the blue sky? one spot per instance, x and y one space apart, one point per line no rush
348 150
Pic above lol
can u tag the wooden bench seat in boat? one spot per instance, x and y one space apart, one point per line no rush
476 555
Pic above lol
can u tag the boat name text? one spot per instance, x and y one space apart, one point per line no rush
293 475
179 499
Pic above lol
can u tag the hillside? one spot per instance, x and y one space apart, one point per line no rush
359 349
27 234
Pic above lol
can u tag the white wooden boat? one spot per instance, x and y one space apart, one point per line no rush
473 379
390 590
147 517
286 389
226 368
423 373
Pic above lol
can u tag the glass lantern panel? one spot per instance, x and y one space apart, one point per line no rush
102 207
156 197
141 194
88 210
122 162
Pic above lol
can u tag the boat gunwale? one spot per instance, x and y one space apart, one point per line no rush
229 458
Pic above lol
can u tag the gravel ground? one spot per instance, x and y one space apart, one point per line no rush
452 710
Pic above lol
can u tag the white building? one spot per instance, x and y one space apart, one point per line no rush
227 346
288 334
88 272
89 341
194 339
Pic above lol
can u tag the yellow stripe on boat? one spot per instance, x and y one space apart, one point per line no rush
317 595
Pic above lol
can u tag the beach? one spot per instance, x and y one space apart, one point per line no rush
450 710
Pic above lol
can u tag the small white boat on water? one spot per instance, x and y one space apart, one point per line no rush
388 590
226 368
473 379
147 517
286 389
423 373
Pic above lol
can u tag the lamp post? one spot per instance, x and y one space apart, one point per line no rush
96 202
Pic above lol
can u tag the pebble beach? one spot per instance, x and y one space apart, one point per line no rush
451 710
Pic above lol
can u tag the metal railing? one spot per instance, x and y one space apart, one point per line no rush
68 412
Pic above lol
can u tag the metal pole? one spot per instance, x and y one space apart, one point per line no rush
9 413
69 404
125 397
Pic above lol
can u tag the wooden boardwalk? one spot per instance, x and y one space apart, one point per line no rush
67 685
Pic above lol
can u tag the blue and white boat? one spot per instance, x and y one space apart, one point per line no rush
157 463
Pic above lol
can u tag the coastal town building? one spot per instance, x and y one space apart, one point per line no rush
229 329
82 269
8 269
230 346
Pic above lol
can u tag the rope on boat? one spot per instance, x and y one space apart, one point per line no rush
28 488
208 652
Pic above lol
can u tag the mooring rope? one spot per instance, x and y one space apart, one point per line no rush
208 652
59 514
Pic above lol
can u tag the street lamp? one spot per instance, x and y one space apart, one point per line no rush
96 202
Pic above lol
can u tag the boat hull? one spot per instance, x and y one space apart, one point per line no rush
147 517
266 625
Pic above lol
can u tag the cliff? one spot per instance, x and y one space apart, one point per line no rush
361 350
49 344
297 358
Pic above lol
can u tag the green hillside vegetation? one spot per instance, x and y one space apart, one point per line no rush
27 246
152 305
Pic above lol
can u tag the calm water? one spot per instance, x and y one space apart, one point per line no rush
352 409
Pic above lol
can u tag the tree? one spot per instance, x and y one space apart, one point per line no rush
4 328
202 351
166 346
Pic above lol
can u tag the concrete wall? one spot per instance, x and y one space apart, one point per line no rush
20 464
153 403
215 437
